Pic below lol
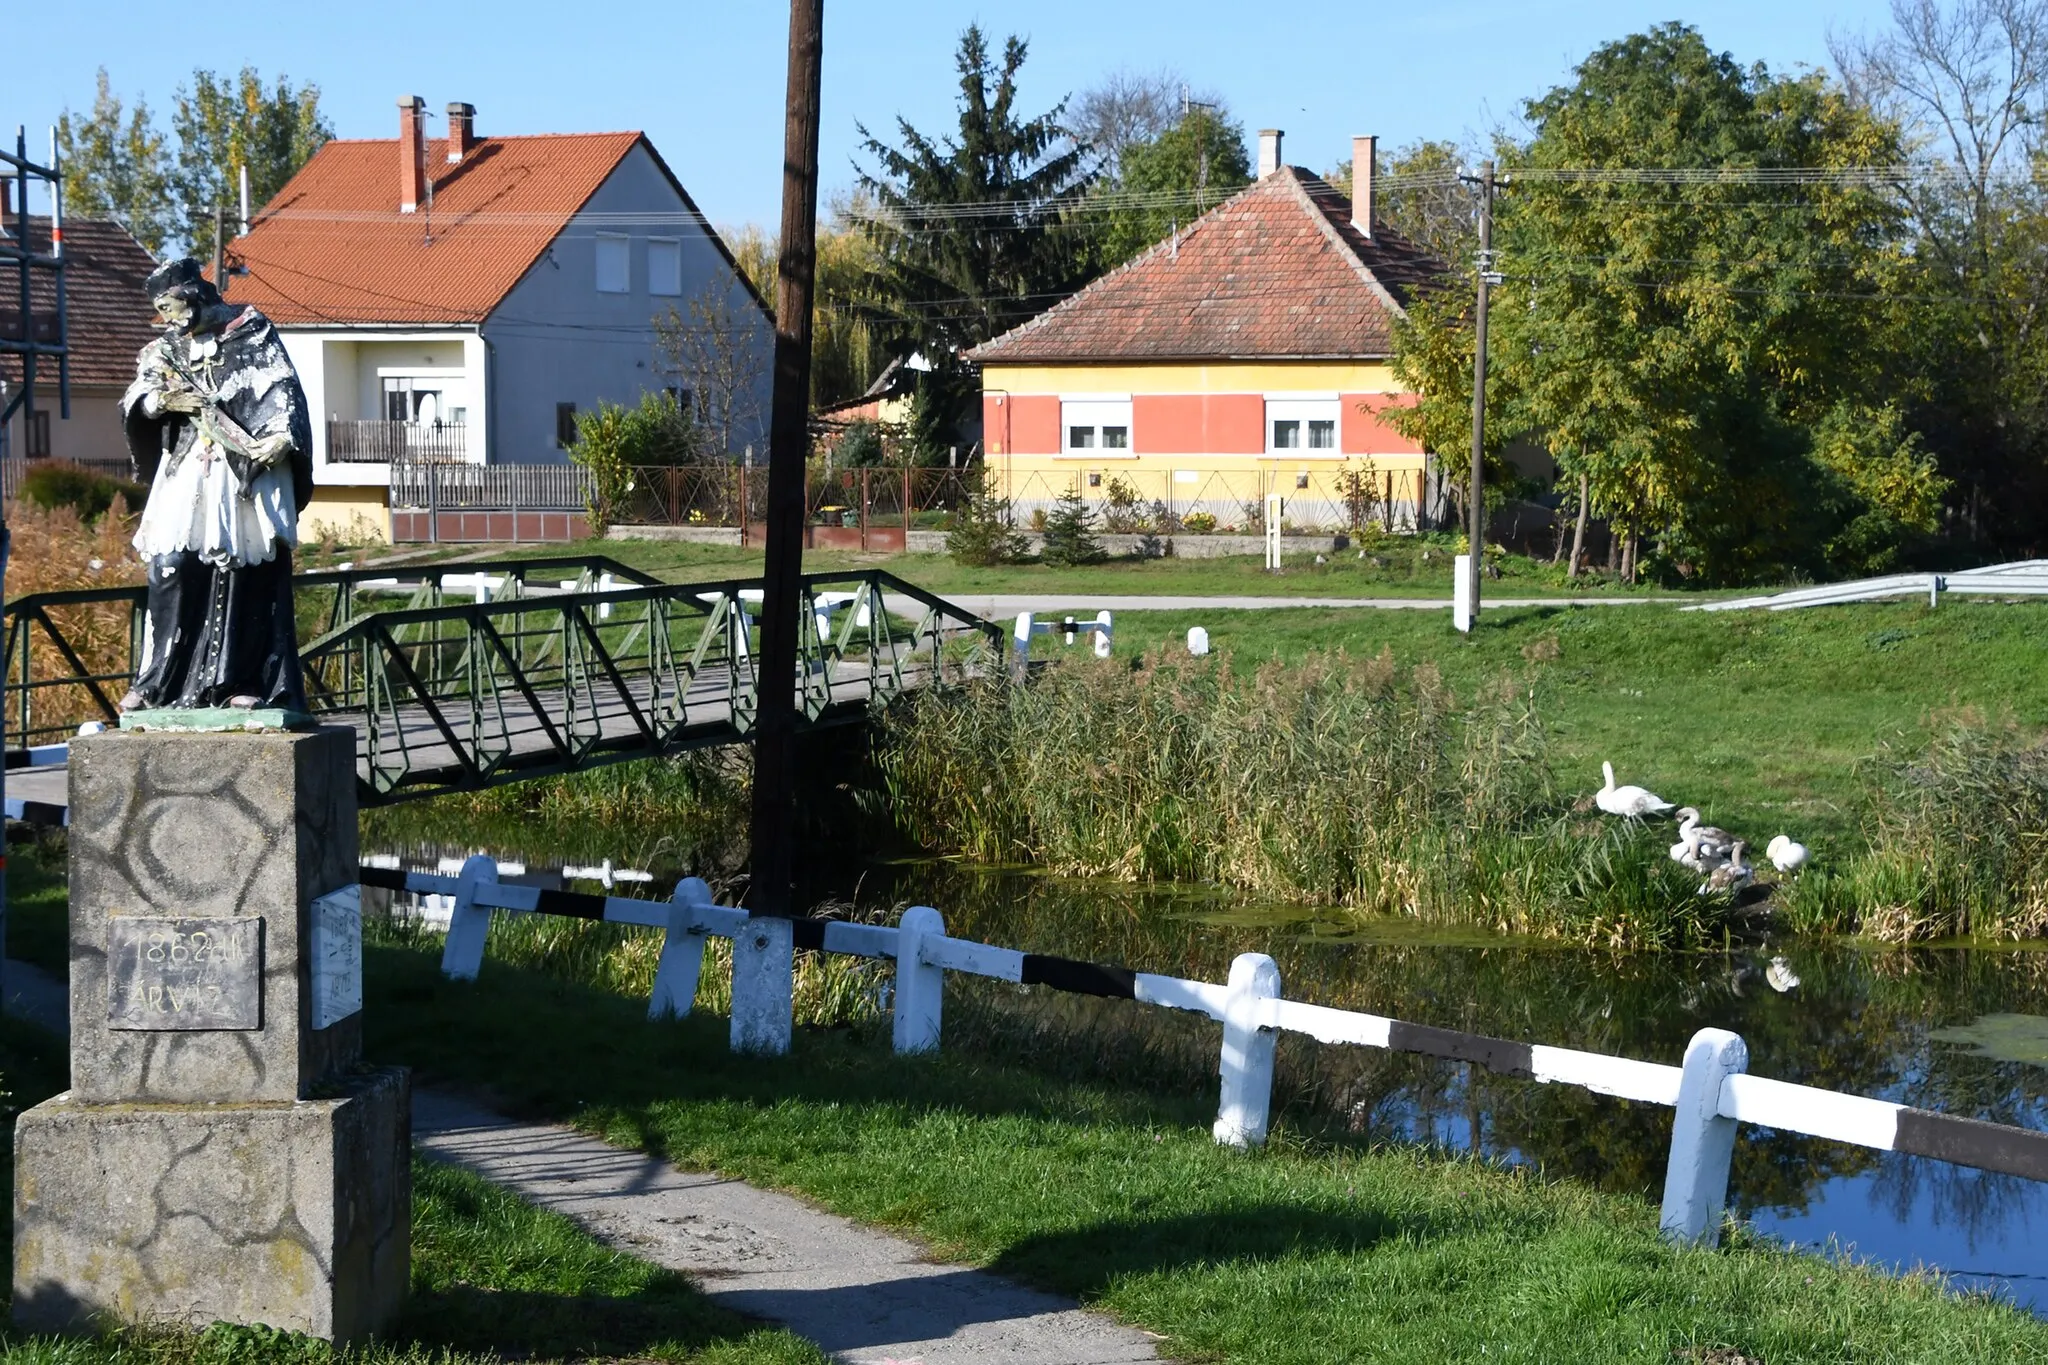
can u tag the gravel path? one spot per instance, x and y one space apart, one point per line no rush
865 1297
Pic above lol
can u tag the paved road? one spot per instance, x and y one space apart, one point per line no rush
998 606
865 1297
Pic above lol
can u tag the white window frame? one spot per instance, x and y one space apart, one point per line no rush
1304 411
655 284
624 244
1101 417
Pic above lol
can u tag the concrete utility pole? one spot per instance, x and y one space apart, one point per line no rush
773 854
220 250
1476 503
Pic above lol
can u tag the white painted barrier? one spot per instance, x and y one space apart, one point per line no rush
1711 1093
1027 625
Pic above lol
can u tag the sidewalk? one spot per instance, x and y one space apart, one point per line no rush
865 1297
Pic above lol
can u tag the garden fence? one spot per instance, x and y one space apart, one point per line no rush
1711 1092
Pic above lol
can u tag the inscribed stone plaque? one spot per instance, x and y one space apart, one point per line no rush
166 973
337 959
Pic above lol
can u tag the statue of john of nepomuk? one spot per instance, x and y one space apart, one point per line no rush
217 427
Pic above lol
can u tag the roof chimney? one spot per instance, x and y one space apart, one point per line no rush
412 152
461 131
1365 165
1269 151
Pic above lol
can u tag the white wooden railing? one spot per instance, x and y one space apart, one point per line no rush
1710 1092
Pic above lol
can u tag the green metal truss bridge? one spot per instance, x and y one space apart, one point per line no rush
462 676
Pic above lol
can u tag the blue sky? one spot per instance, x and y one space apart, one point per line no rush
705 81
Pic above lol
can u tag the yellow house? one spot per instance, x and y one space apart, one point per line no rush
1245 356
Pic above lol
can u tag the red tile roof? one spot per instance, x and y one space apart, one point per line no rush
333 247
1276 272
107 315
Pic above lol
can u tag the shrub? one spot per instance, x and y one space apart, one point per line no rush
1070 532
1199 523
612 441
861 447
54 483
1123 511
983 531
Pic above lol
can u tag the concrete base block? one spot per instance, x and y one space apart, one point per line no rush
296 1215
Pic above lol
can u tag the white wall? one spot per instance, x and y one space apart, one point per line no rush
556 339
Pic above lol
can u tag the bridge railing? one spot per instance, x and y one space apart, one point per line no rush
70 656
459 675
1710 1093
461 695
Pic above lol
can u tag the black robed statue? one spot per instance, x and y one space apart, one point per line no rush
217 426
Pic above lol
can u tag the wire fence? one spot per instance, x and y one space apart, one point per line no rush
1351 496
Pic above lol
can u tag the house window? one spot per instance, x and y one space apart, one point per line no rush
39 434
665 266
614 264
1089 425
1301 424
565 425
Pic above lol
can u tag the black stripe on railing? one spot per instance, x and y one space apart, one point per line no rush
807 933
389 878
1498 1055
1081 978
571 904
40 813
1972 1142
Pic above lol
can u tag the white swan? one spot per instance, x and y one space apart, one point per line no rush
1785 854
1731 875
1699 847
1633 802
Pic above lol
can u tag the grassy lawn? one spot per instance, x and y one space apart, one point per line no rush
1401 571
1308 1251
1761 719
1311 1250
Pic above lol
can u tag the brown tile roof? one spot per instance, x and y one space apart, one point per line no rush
106 314
1276 272
333 247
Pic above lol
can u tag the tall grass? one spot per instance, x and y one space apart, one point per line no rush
1958 843
1333 780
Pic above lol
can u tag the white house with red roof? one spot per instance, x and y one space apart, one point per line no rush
1245 356
462 298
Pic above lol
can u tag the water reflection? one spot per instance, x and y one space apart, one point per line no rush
1861 1021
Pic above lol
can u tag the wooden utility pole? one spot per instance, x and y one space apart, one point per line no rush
773 852
1476 504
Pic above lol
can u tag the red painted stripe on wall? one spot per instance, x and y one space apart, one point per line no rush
1363 430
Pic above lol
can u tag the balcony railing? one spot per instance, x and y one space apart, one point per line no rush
351 442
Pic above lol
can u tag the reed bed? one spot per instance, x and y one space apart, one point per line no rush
1334 780
1958 843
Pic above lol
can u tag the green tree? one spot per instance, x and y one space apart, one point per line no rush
117 166
224 123
1675 340
983 531
1172 179
1070 532
971 229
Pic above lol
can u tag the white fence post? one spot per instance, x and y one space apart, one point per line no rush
682 953
1020 646
462 956
1247 1100
1104 626
763 972
920 987
1702 1142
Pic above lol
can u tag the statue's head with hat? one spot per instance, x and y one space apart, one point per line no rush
181 292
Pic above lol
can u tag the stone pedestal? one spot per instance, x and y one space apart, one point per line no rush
223 1153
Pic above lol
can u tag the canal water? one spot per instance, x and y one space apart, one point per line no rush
1961 1030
